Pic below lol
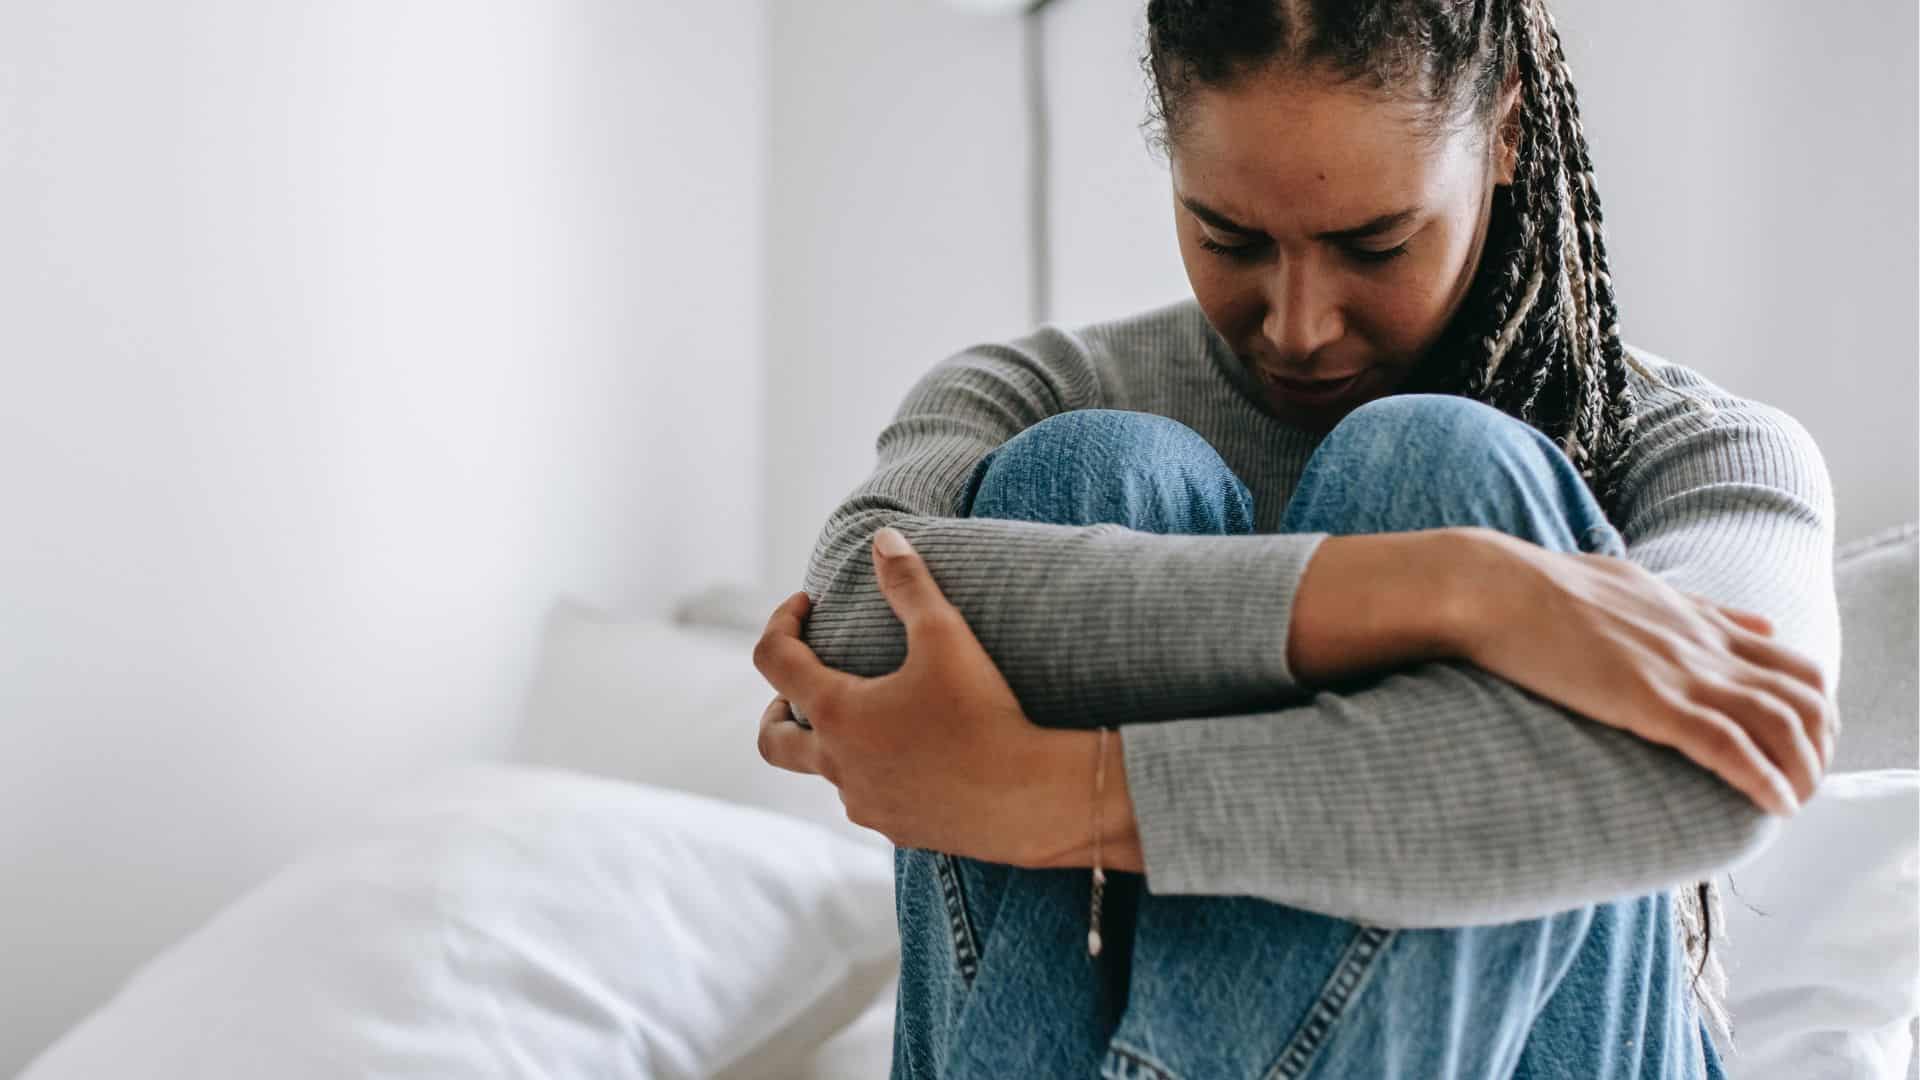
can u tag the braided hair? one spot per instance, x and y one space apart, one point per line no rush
1538 335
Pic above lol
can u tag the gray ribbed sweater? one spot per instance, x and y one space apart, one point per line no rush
1435 795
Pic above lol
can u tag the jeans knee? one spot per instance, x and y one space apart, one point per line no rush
1108 466
1416 461
1454 436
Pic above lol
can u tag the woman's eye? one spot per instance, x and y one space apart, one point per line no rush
1231 251
1372 256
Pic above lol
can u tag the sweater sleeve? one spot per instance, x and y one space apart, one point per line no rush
1442 795
1089 625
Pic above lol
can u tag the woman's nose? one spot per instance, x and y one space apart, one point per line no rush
1303 316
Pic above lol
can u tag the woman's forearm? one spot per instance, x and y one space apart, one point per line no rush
1089 625
1365 604
1370 603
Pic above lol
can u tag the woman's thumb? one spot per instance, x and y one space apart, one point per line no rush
904 579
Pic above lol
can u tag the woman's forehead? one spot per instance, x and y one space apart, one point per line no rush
1285 154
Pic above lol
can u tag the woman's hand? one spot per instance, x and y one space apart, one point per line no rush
937 755
1611 641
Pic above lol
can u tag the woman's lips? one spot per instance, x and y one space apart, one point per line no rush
1310 391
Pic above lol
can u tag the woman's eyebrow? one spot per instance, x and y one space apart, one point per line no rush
1385 223
1215 218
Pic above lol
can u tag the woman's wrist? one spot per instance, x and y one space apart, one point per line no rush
1064 781
1489 585
1374 601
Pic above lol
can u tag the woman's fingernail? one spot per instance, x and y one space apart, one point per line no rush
890 542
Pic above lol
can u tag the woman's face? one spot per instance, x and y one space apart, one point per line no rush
1329 233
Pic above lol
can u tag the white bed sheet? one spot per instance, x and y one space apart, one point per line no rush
863 1050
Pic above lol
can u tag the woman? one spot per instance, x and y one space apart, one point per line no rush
1448 646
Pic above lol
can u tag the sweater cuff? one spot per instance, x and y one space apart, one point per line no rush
1181 814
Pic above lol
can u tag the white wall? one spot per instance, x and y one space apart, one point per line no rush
896 230
1757 167
1113 246
1757 163
338 341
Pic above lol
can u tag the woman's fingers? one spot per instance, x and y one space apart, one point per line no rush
1721 746
1774 726
1815 710
1771 654
785 744
788 617
1782 671
1750 620
1790 675
789 666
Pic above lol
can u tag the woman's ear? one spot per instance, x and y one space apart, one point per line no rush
1506 132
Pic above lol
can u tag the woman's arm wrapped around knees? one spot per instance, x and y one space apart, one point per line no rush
1091 624
1445 795
1439 795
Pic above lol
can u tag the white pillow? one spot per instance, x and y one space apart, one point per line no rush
729 606
507 921
643 699
1824 978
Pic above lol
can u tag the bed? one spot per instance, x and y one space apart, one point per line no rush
633 893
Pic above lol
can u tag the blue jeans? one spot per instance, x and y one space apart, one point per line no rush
995 979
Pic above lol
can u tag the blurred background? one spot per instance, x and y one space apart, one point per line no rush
342 341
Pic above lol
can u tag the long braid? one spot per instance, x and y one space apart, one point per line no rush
1569 387
1539 335
1578 211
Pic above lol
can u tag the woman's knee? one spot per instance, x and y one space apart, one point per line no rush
1107 466
1455 437
1418 461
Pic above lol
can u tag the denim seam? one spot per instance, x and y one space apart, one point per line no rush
1128 1062
966 953
1341 988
